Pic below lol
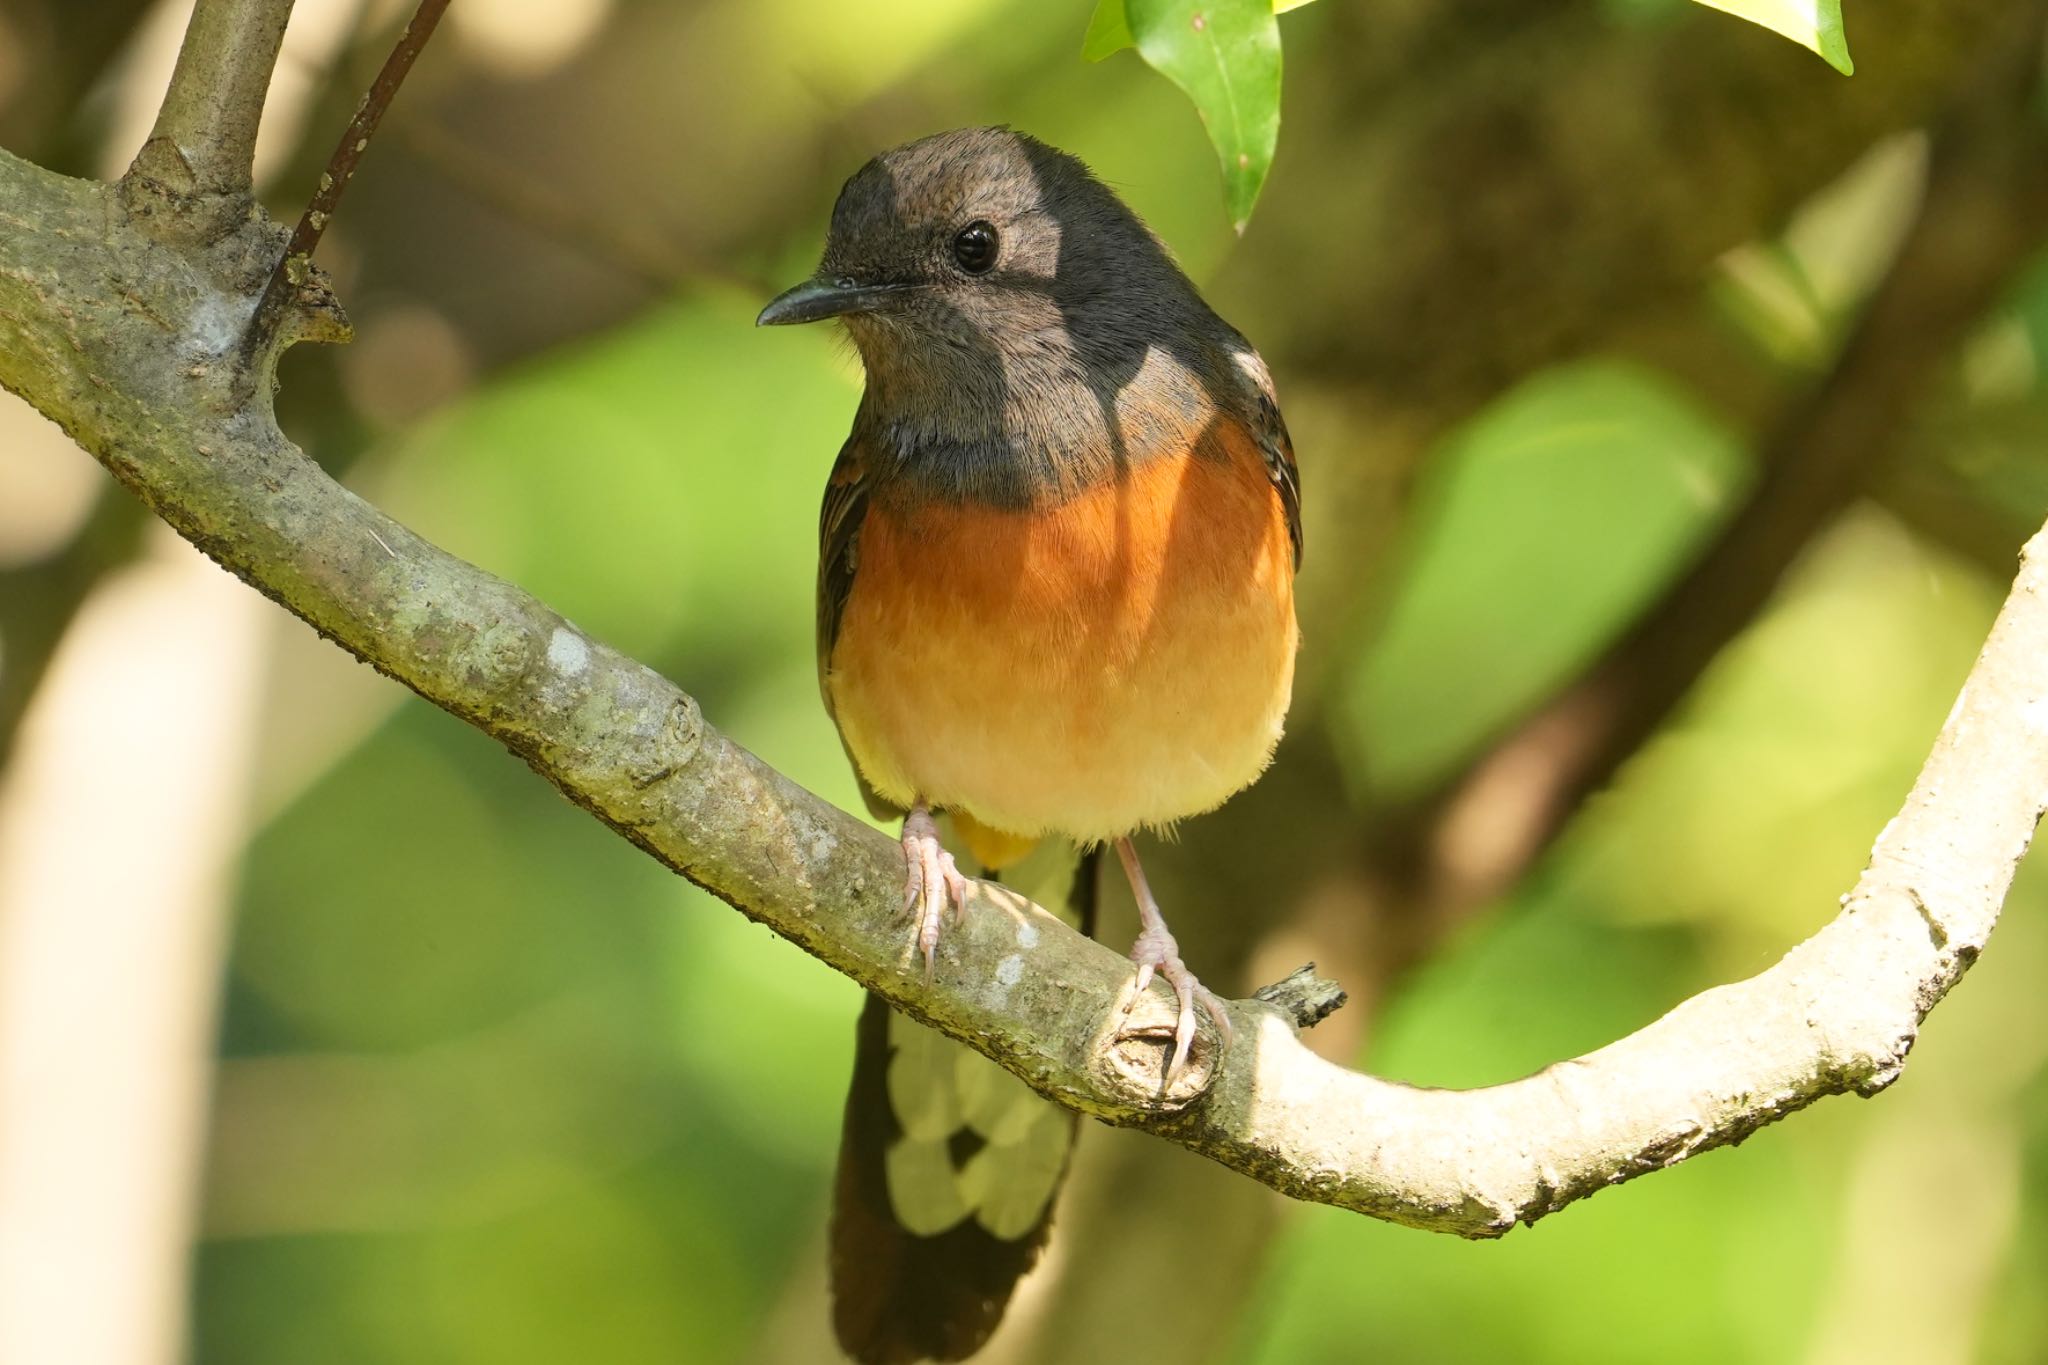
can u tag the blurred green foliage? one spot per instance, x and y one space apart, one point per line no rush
496 1089
1571 500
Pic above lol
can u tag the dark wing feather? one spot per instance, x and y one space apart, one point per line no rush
1240 374
839 520
1271 432
846 506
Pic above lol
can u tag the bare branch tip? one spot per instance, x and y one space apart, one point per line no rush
1303 996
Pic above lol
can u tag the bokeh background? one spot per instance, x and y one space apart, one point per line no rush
1670 410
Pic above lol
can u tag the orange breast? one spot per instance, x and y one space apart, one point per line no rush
1122 659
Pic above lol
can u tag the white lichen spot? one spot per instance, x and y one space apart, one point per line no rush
567 653
216 323
1010 970
822 845
1027 934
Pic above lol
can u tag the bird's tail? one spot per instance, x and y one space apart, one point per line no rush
948 1165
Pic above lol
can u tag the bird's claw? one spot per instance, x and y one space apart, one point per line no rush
932 882
1157 952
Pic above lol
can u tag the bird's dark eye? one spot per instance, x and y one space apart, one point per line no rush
975 248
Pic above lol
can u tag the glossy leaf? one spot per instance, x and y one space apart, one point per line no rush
1225 56
1109 32
1815 24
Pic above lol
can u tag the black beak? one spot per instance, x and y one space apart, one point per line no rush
824 298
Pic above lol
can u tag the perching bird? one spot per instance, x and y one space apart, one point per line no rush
1055 598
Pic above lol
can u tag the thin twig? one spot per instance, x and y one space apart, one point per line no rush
341 168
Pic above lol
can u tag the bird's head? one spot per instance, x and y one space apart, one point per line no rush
977 256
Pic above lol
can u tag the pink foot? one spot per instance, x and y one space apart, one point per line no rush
1156 951
932 881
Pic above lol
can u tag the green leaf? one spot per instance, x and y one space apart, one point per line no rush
1110 33
1815 24
1225 56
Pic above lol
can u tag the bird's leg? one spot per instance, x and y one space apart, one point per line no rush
932 881
1157 951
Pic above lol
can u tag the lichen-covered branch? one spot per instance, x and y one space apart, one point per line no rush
128 338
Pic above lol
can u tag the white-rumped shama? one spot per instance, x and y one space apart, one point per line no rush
1055 598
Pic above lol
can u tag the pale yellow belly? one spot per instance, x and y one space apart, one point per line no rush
1123 660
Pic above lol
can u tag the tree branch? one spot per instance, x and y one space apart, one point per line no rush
205 135
115 332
